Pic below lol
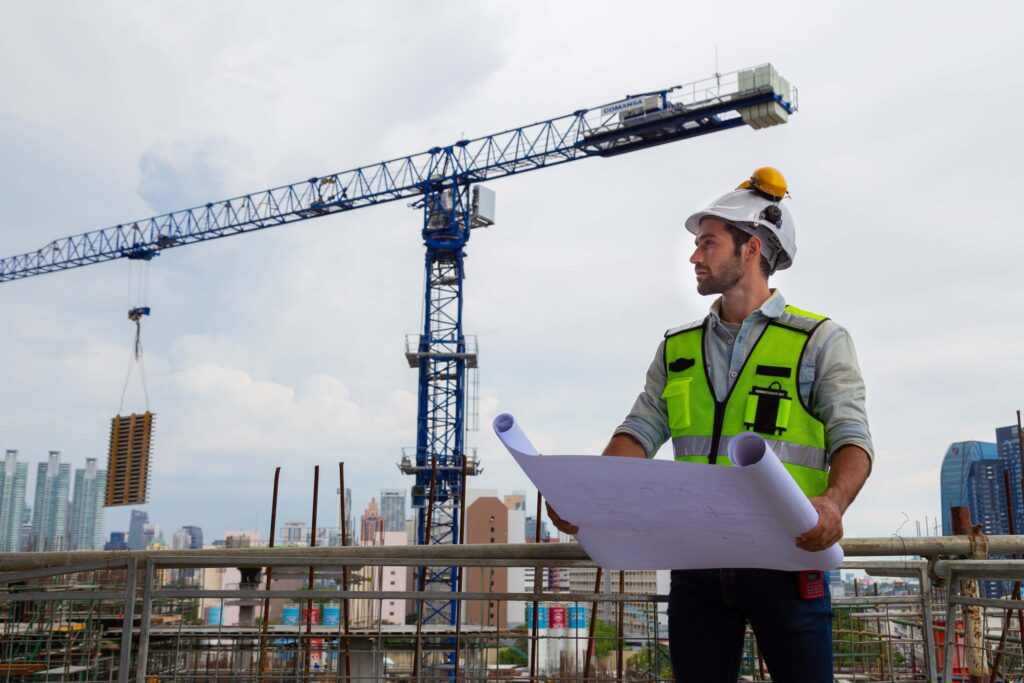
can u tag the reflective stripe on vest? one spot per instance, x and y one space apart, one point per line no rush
764 398
792 453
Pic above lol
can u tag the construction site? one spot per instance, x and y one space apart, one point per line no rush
474 587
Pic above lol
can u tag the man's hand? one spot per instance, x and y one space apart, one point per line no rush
560 524
827 531
850 468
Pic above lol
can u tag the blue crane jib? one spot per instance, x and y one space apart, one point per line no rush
442 182
757 97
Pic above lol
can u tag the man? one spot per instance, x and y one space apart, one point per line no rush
753 363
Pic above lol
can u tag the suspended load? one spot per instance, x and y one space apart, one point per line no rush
131 436
129 459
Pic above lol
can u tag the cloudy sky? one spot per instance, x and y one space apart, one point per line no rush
285 347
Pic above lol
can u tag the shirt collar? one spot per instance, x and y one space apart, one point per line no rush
773 307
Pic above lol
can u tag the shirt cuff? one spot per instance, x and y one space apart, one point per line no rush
851 434
649 446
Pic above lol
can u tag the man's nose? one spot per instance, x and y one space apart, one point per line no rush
695 257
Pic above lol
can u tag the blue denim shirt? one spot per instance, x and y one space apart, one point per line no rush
829 379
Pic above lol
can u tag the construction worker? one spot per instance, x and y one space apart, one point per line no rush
754 364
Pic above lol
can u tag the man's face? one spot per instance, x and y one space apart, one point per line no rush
715 262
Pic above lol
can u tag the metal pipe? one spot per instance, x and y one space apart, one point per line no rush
46 572
987 569
593 625
1012 528
299 594
270 574
127 625
147 614
927 630
528 553
974 628
344 572
423 570
312 570
460 569
619 639
538 583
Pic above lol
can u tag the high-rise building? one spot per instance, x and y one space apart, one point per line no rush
87 507
140 518
487 522
150 533
986 500
117 541
345 520
371 524
953 479
390 610
516 500
187 538
294 533
392 507
13 475
50 512
986 496
1008 446
531 530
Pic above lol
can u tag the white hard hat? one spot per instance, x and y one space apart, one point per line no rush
758 214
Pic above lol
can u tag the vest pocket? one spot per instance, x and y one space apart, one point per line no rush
677 401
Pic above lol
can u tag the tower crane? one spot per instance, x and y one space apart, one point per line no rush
444 183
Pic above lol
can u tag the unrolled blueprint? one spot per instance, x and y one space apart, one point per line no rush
635 513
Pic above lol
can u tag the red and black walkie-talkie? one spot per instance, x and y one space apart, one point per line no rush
811 584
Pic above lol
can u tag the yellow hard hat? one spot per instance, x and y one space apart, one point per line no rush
766 180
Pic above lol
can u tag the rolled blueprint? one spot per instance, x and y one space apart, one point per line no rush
635 513
787 502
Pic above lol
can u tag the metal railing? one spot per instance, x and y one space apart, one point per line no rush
206 615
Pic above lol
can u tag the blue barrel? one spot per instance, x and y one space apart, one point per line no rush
542 616
332 615
290 614
577 616
214 615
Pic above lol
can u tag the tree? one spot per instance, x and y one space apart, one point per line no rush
606 637
645 660
508 655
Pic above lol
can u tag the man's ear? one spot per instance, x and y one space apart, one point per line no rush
752 249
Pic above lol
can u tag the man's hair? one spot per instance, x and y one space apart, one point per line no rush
739 239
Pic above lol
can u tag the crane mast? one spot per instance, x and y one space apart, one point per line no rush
442 356
443 182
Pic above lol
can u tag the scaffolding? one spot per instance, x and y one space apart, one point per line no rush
159 616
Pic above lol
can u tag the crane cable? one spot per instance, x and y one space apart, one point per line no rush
138 289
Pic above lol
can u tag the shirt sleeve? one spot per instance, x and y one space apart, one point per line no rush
647 421
838 393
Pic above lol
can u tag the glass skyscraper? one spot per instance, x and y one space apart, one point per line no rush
392 507
953 478
136 529
87 507
13 475
1008 445
50 512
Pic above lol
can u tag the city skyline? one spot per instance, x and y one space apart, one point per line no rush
958 466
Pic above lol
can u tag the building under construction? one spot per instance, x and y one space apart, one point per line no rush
164 616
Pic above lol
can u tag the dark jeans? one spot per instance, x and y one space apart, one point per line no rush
708 611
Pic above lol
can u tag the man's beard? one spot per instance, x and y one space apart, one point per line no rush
725 279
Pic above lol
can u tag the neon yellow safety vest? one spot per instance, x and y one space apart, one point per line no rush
765 398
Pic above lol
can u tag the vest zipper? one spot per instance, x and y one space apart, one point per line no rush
716 434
